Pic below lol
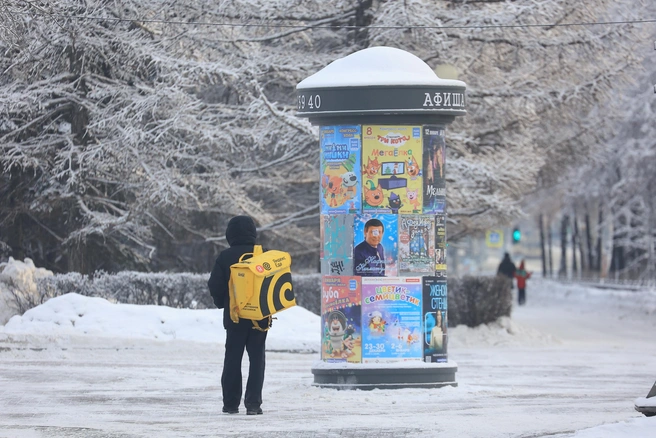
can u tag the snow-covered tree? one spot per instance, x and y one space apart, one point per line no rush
120 136
131 130
627 184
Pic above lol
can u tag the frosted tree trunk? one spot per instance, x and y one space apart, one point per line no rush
562 270
542 245
549 246
588 241
598 250
575 246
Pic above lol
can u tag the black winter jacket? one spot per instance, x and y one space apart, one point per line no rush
507 267
241 235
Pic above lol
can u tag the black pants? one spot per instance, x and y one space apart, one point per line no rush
522 296
238 337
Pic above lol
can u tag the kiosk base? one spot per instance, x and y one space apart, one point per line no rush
384 376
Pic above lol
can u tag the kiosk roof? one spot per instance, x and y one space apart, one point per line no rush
376 66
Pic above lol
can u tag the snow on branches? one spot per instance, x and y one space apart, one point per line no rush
136 128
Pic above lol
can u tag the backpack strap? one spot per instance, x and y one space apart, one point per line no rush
234 309
257 250
256 326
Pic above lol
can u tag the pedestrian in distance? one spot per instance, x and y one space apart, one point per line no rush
507 267
241 235
522 275
506 271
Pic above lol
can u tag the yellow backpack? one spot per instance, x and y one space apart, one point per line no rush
261 286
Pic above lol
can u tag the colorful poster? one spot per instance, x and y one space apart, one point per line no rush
440 245
391 319
337 244
340 169
341 319
434 166
416 244
435 319
392 169
375 250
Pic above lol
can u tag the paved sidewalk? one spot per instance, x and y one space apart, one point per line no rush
94 387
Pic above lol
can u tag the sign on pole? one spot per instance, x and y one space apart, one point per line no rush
494 239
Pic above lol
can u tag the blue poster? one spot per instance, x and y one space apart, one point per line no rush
392 319
375 245
341 171
435 319
337 244
434 170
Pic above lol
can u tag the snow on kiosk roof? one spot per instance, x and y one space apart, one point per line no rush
380 82
376 66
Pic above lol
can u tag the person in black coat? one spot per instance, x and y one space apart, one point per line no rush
241 234
507 267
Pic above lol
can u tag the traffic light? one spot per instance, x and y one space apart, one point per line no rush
516 235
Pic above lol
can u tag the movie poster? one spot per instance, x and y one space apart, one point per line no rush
434 165
391 319
337 244
416 244
375 253
341 319
435 319
440 245
340 169
392 169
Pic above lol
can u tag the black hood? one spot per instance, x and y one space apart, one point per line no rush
241 231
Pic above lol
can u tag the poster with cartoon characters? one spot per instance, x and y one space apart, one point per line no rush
440 245
392 169
340 166
337 244
435 311
341 319
416 244
392 319
434 166
375 245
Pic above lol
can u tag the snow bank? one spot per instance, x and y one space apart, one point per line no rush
18 278
625 303
295 329
637 427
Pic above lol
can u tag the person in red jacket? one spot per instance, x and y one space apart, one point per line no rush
521 274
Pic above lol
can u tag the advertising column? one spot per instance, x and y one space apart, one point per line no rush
383 234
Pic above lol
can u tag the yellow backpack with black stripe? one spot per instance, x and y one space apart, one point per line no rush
261 285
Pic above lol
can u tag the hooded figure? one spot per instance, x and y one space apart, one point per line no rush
241 235
507 267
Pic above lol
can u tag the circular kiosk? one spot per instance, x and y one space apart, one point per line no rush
382 113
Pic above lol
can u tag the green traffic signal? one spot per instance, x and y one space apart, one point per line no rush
516 235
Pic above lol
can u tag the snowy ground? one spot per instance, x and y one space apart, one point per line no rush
570 363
